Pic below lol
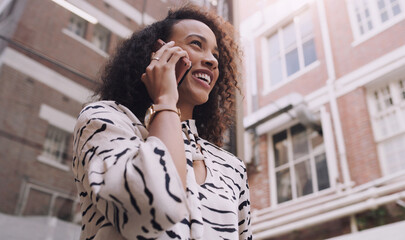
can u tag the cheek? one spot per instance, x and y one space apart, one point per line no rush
192 57
214 83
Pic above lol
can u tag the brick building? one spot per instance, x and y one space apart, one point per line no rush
50 56
324 117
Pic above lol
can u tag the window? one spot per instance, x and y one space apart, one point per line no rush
291 49
101 38
300 165
55 146
369 15
387 109
78 25
43 201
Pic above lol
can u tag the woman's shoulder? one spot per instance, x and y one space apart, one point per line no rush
104 108
110 112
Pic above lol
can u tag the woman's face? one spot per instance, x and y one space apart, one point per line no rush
201 45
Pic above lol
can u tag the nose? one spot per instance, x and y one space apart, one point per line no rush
210 61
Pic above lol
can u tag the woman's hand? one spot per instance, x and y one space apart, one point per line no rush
160 81
160 77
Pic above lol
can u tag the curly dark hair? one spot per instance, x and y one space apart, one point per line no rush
121 79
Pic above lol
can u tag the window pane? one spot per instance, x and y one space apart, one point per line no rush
306 26
283 180
396 9
275 60
387 96
384 16
304 178
280 148
369 25
299 141
363 16
55 145
101 38
388 124
289 36
317 142
394 154
274 46
63 208
291 61
402 88
275 71
37 203
309 52
381 4
322 172
77 25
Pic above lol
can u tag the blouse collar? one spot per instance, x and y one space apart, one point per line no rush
190 124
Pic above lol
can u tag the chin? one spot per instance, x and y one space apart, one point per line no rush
201 101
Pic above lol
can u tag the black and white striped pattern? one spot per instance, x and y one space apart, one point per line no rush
129 187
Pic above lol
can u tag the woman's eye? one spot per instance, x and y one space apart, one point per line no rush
196 42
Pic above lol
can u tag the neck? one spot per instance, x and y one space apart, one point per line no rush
186 111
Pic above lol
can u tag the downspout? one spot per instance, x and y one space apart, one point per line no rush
332 95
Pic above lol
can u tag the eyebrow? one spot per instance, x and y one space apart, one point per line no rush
202 39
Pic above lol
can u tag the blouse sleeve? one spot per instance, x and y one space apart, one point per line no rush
245 231
133 182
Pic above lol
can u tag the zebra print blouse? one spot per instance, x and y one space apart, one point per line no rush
129 187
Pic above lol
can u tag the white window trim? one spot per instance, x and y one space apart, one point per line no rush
105 20
373 111
60 120
46 160
378 139
54 194
85 42
378 27
267 88
329 147
266 77
57 118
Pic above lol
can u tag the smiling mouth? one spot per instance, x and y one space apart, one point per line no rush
203 76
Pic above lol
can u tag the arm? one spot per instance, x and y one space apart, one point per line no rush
132 182
245 231
160 81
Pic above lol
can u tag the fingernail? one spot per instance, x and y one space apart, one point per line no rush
171 42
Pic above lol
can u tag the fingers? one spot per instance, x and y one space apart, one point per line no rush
162 49
144 78
168 53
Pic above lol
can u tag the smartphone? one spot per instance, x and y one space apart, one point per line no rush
183 66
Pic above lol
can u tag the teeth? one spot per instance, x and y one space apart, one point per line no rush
203 76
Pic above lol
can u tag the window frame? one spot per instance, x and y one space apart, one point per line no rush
378 25
58 120
328 150
54 194
83 40
86 23
50 159
267 83
99 29
374 114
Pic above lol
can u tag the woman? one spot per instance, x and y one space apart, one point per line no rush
169 180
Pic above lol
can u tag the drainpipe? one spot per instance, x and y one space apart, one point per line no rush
332 95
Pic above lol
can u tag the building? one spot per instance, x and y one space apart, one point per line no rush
50 56
324 117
